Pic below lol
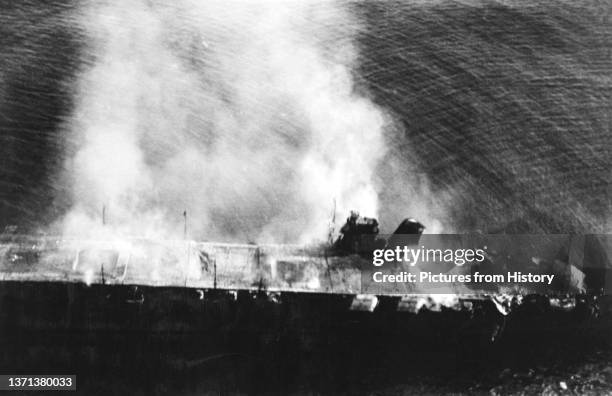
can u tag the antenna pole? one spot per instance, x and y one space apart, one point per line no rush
332 224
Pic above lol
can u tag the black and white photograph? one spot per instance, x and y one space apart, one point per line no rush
306 197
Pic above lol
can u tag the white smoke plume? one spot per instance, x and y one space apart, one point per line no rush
241 114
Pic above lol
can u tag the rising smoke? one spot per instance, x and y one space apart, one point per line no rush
243 114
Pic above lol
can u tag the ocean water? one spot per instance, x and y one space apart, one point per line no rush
501 109
506 105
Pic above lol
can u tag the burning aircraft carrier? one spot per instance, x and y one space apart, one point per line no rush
190 307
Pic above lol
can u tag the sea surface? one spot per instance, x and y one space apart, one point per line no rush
503 108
